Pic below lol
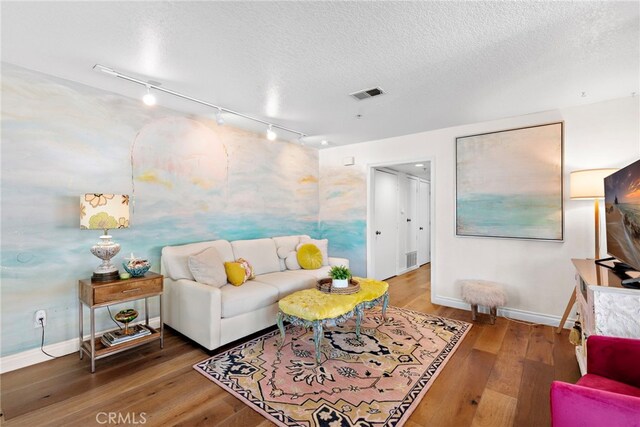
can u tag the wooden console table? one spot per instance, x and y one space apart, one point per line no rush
102 294
604 306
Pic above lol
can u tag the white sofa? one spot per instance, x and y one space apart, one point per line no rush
214 316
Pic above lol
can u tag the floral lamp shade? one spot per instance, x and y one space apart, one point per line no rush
100 211
104 211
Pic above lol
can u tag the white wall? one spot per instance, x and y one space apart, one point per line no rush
538 275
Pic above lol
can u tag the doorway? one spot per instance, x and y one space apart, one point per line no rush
399 219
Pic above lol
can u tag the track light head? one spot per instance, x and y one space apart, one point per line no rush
149 98
219 118
271 135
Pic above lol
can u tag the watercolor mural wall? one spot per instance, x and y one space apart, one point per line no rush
343 214
189 180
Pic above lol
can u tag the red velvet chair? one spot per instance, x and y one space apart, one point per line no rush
609 394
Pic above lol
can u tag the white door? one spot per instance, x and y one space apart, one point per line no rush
403 191
424 225
412 220
385 229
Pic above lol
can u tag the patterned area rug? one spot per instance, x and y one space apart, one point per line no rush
377 381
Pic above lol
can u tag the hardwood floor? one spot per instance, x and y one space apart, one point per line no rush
499 376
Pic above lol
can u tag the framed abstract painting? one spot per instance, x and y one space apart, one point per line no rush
509 183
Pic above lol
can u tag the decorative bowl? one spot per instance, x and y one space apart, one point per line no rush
126 316
137 267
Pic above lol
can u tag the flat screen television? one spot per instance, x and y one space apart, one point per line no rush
622 213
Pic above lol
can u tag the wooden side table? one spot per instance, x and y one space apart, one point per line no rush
101 294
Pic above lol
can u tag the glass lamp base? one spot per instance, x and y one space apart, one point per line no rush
105 250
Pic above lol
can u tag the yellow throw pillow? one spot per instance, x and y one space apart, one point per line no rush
236 273
247 268
309 257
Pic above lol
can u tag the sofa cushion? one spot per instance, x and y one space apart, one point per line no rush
261 254
323 245
602 383
207 267
248 297
321 273
338 261
287 282
175 258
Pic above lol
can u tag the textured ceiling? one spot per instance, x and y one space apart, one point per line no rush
294 63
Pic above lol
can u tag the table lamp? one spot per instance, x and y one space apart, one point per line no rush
588 184
104 212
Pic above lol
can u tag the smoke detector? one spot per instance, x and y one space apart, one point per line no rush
367 93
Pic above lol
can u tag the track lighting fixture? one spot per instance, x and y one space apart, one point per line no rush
150 99
219 118
271 135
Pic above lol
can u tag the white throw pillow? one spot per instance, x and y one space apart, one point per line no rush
292 261
323 245
286 244
208 268
283 252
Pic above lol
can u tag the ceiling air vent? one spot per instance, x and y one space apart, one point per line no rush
367 93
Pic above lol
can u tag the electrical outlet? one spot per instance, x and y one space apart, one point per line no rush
40 314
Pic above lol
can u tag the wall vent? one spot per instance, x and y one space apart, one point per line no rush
367 93
412 259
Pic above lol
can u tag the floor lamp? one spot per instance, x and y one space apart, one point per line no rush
587 184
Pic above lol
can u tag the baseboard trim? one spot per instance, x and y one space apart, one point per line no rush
513 313
31 357
406 270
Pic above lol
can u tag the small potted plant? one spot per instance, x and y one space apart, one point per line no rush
340 275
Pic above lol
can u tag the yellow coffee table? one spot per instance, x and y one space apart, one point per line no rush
314 309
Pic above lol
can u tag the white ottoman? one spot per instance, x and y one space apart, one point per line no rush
483 292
